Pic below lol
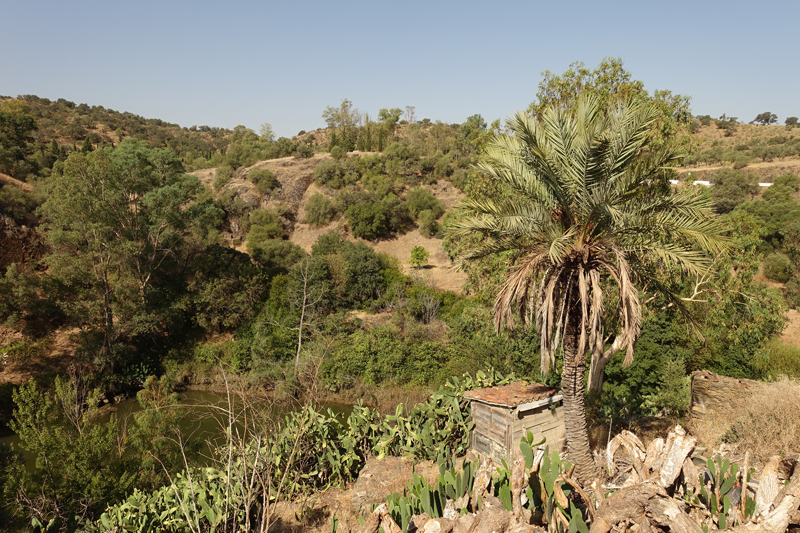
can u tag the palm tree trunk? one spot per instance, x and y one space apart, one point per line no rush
572 390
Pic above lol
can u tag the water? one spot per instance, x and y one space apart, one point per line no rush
205 420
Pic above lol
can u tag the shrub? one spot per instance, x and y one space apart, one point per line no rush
16 202
320 210
264 180
303 151
337 153
379 184
264 224
741 161
275 253
331 173
372 220
420 199
222 177
428 226
777 267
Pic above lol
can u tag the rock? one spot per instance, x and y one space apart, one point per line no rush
525 528
450 510
418 522
464 523
438 525
493 520
378 478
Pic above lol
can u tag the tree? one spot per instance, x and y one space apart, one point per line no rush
589 212
611 82
117 221
766 118
16 126
266 132
791 121
410 114
342 118
419 257
390 117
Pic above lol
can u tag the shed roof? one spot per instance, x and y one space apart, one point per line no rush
513 394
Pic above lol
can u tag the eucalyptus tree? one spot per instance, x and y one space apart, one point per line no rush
117 221
589 214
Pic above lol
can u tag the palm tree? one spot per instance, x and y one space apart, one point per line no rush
589 212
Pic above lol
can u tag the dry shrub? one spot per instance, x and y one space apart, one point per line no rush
768 423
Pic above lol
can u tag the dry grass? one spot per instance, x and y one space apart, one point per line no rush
768 423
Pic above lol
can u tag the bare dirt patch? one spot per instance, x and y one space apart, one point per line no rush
8 180
791 333
439 269
24 358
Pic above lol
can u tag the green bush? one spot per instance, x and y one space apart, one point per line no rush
303 150
264 180
320 210
372 220
428 226
330 173
222 176
16 203
420 199
777 267
337 152
379 184
275 253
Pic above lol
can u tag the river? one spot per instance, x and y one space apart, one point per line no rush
202 423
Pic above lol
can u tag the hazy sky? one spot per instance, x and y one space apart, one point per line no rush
248 62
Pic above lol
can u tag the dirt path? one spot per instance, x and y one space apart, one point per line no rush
8 180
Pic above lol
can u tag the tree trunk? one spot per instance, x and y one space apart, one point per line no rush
572 390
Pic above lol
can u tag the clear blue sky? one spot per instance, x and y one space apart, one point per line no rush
248 62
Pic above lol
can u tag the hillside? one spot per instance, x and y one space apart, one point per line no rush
296 187
765 151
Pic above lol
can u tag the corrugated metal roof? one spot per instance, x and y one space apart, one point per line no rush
513 394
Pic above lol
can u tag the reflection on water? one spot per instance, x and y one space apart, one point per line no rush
206 418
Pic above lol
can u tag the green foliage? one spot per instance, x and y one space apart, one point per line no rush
674 395
419 257
273 253
420 199
777 359
16 128
766 118
16 203
731 188
79 468
776 209
420 497
197 500
264 180
264 224
310 452
428 226
222 176
320 210
119 223
716 494
376 219
225 288
777 267
330 173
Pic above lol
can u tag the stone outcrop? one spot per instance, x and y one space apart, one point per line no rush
712 393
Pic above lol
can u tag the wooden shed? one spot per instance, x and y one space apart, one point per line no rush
503 414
